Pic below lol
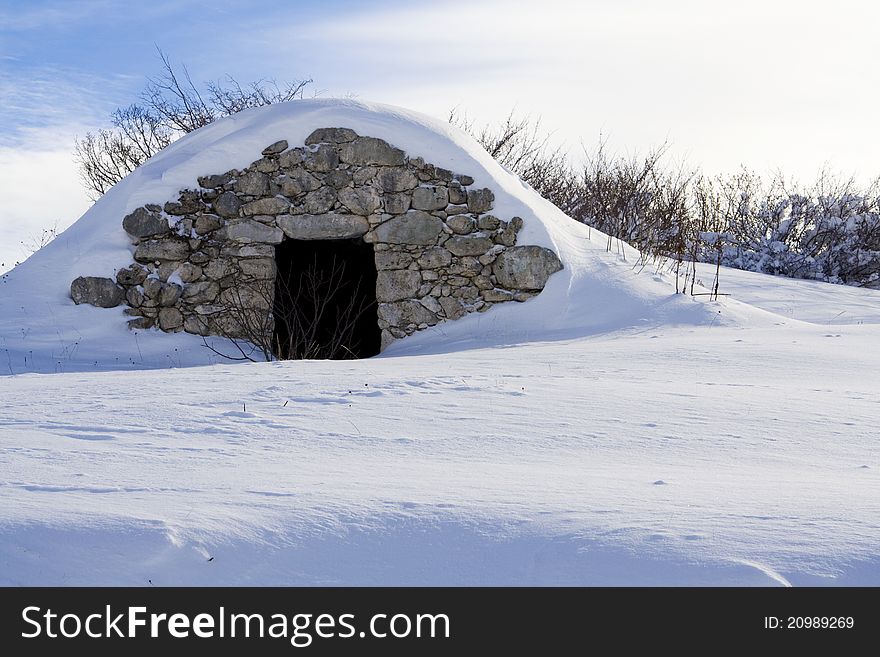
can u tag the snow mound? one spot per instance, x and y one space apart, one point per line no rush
42 330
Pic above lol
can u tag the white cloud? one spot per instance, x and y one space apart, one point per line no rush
40 189
783 84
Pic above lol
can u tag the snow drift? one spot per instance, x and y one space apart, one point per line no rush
607 431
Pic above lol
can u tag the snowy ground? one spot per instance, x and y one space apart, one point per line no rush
680 456
606 432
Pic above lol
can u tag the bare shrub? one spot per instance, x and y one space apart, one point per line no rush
170 106
262 329
521 145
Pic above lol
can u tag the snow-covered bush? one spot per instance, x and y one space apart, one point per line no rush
829 231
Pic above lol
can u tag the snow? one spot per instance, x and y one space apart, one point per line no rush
606 432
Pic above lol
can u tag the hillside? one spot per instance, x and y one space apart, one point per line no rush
607 431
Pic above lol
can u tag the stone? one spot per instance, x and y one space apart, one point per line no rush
397 203
488 222
276 148
460 224
415 227
143 223
170 319
387 339
267 165
139 323
170 294
201 292
525 267
206 223
189 203
208 309
467 293
213 182
183 227
252 183
466 266
392 260
394 179
328 226
227 205
269 206
247 251
406 312
319 201
361 200
253 298
131 275
96 291
370 150
395 285
464 180
482 282
430 198
363 175
218 268
431 304
189 272
457 195
324 158
252 231
162 249
331 136
495 295
452 307
260 269
196 325
134 297
152 288
507 237
480 200
443 174
291 158
338 179
298 181
468 246
435 258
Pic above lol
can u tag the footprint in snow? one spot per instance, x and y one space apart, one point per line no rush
659 482
238 414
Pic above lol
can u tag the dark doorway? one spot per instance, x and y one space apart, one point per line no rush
325 300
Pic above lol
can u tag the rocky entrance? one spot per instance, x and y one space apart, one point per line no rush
325 300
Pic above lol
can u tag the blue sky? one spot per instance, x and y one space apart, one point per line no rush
765 83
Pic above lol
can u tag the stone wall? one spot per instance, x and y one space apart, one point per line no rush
439 251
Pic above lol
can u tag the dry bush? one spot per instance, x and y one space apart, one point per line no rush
262 329
170 106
